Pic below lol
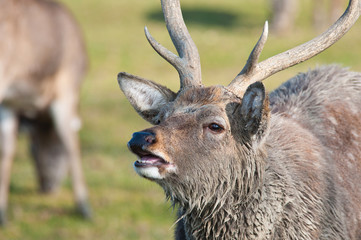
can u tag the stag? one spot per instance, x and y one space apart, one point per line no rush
244 164
42 63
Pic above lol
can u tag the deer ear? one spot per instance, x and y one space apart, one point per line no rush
252 107
146 97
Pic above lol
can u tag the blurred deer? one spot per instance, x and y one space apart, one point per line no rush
244 164
42 63
285 12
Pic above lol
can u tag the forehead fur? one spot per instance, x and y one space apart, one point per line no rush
204 96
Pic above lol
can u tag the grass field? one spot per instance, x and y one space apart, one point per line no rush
124 205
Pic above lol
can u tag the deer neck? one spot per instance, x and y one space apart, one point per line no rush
234 219
220 224
218 216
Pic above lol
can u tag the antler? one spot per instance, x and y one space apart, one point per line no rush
254 71
188 63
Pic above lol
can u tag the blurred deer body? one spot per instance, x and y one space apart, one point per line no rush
244 164
42 63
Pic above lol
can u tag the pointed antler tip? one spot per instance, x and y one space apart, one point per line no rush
149 37
265 28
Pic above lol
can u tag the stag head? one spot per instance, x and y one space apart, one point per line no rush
203 133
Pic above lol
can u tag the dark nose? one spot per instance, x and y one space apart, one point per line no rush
140 142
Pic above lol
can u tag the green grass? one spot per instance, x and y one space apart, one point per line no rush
126 206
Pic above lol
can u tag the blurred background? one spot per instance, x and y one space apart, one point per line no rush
124 205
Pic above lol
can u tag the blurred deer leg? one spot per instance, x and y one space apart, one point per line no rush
284 13
49 153
8 133
319 14
67 124
336 9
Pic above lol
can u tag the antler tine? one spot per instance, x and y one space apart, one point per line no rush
256 52
188 63
162 51
252 61
254 72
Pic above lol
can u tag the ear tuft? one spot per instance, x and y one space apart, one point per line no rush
145 96
252 107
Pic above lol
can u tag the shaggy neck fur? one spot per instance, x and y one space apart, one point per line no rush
211 210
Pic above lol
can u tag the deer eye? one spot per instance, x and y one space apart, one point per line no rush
215 127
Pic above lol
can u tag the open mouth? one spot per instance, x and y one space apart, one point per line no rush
153 167
150 161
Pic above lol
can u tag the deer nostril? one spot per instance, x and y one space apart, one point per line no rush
150 139
140 142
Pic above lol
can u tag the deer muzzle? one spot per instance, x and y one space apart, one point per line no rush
149 164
